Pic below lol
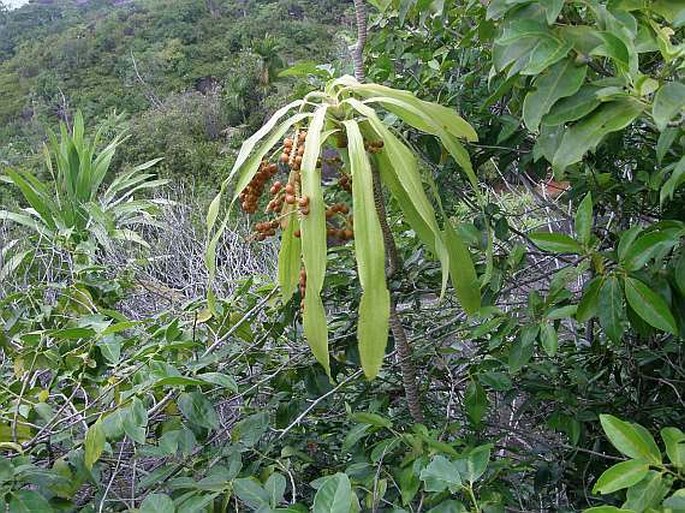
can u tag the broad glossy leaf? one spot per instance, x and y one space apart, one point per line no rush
644 247
630 441
648 493
28 501
314 249
612 308
528 47
561 80
549 338
589 132
474 464
620 476
674 439
157 503
462 271
676 501
680 273
475 402
197 409
555 242
251 492
441 474
94 444
574 107
650 306
583 219
334 496
587 308
669 101
374 308
675 180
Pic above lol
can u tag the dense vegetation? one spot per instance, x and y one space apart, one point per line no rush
477 302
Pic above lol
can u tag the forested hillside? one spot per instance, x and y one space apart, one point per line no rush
186 73
384 256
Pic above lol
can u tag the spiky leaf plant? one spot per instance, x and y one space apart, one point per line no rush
74 208
345 120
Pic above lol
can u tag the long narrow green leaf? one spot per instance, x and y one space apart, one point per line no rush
420 116
374 309
314 249
438 115
249 145
39 201
290 255
26 220
462 271
399 171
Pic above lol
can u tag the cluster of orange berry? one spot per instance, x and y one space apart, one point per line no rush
266 229
292 154
374 146
249 197
345 233
345 182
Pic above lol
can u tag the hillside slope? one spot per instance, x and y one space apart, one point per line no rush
184 71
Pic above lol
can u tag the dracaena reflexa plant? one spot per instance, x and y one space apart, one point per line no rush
345 120
74 208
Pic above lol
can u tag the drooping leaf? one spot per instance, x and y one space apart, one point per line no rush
251 492
589 303
650 306
314 248
589 132
441 474
374 309
244 169
674 439
639 252
669 101
94 444
549 338
620 476
612 308
157 503
334 496
630 441
583 219
28 501
290 254
648 493
561 80
462 271
523 348
556 242
474 464
574 107
475 402
198 410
